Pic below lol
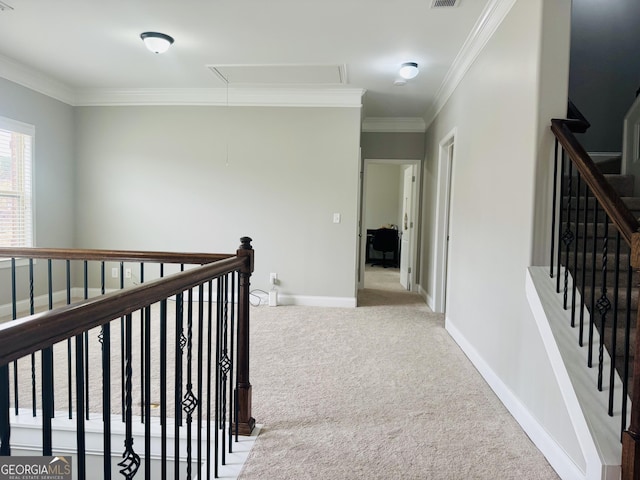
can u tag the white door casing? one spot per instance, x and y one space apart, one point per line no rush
406 227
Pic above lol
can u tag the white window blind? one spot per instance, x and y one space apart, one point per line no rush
16 193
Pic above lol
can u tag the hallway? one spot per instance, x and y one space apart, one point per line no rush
376 392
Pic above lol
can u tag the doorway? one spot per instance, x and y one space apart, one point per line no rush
443 220
390 196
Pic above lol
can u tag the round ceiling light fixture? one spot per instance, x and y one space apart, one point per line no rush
408 70
156 42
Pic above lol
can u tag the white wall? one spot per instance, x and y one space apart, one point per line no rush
158 178
501 110
383 195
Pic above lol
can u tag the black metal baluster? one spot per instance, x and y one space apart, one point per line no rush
105 340
189 402
69 346
560 219
585 230
86 279
200 374
225 363
80 422
232 417
592 311
554 208
209 379
50 353
178 383
142 363
33 356
603 305
130 459
575 254
86 336
5 424
147 393
14 315
216 440
567 236
614 325
46 358
122 341
163 385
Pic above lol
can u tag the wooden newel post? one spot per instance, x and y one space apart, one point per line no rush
631 436
244 421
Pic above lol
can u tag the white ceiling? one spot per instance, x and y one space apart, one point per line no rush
87 47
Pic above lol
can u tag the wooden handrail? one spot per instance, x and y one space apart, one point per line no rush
113 255
29 334
611 202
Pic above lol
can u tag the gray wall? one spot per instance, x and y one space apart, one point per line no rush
158 178
404 146
53 173
605 71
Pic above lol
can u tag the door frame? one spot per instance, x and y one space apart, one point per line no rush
417 195
444 195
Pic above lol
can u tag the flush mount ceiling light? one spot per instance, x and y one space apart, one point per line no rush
156 42
408 70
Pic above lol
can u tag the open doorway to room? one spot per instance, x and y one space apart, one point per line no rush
390 194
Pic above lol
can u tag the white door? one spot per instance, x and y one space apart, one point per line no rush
406 226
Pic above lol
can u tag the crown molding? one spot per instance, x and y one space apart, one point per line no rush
35 80
393 125
237 97
491 18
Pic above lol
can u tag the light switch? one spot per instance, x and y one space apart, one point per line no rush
336 218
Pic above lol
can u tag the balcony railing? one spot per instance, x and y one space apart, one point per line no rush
162 364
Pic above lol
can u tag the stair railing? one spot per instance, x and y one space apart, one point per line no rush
200 318
595 248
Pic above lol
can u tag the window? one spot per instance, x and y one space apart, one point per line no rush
16 198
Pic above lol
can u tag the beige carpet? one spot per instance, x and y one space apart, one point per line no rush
377 392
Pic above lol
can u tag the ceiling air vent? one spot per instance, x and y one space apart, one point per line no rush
445 3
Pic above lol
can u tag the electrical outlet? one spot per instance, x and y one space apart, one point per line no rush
114 272
273 278
127 273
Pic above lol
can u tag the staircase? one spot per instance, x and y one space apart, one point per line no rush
581 263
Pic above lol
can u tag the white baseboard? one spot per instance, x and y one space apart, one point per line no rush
555 455
317 301
425 295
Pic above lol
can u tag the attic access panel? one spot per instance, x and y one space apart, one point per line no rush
316 75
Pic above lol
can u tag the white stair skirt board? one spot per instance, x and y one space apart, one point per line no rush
598 434
26 439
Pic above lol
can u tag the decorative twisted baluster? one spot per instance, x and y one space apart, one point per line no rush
190 402
603 304
130 459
